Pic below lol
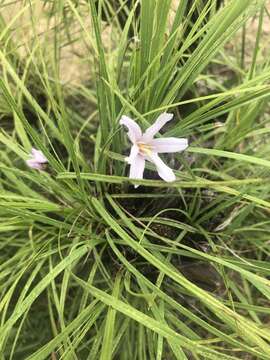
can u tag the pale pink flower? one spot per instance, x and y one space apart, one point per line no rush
145 147
37 159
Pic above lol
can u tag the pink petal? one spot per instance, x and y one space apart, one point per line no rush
34 164
134 131
163 170
169 145
158 124
133 154
38 156
137 168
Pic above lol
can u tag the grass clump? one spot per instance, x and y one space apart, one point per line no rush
91 268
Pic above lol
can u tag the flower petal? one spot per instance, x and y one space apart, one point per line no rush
38 156
163 170
169 145
134 131
158 124
137 168
133 153
32 163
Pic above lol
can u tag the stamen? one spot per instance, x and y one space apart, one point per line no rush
145 149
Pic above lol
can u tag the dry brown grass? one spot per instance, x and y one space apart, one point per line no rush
74 68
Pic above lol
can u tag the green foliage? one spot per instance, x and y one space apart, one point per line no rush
91 268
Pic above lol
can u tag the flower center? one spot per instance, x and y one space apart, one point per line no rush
145 149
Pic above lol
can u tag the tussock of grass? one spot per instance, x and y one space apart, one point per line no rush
91 268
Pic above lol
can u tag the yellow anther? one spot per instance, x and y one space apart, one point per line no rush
145 148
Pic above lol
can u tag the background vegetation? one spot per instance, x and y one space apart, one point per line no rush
91 268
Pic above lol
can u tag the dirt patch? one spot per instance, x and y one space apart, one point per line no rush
37 28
